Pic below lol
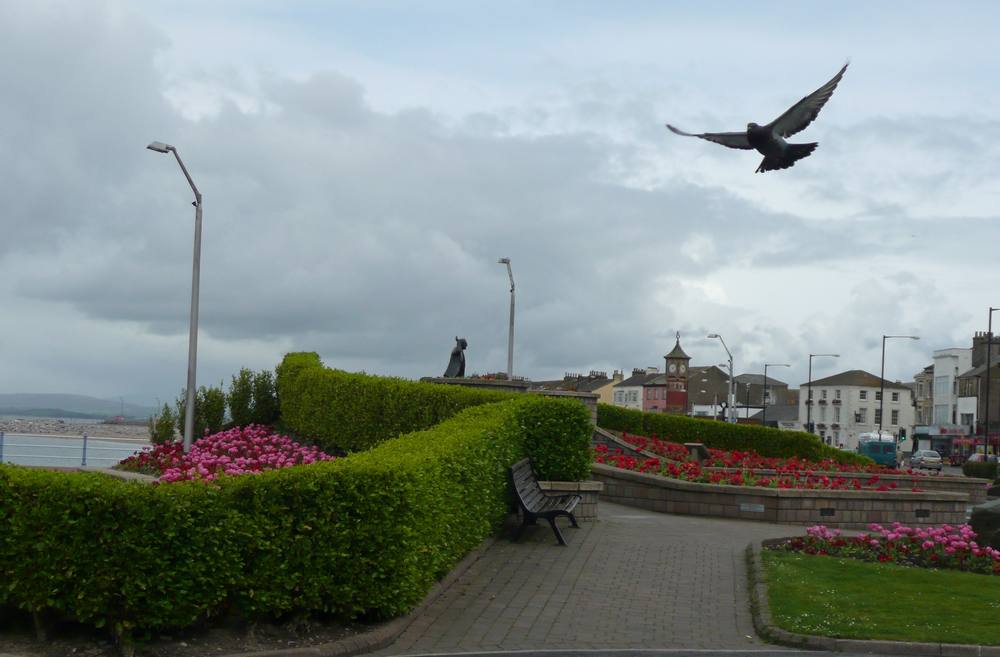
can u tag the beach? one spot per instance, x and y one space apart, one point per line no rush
42 426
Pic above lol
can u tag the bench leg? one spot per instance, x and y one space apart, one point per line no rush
572 520
555 528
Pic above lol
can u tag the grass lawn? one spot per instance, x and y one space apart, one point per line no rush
853 599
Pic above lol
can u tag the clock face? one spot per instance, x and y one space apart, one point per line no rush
682 369
673 368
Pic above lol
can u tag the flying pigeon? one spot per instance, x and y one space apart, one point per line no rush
769 139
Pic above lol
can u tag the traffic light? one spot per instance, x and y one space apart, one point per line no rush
902 435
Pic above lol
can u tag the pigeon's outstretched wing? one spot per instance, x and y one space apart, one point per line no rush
802 113
730 139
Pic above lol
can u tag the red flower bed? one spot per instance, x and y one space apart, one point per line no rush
718 458
238 451
787 478
945 546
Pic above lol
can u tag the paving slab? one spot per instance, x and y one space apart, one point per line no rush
631 579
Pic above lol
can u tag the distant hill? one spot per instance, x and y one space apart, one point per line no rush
68 406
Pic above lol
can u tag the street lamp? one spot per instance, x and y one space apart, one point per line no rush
510 332
809 395
160 147
731 397
881 394
763 394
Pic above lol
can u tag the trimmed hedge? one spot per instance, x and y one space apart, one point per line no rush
766 441
364 535
985 470
355 412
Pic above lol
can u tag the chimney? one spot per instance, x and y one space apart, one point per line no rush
618 376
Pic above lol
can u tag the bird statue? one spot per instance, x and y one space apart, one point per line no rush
769 139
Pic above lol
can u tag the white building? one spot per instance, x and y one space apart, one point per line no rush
847 404
628 393
948 364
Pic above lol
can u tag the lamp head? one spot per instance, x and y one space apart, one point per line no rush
713 335
160 147
504 261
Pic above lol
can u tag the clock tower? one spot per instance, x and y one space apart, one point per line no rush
677 379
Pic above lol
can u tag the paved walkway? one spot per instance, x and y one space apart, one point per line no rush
633 579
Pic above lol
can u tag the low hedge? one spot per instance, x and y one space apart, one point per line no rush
766 441
365 535
355 412
980 469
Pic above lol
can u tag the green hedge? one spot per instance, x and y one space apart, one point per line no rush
355 412
364 535
766 441
979 469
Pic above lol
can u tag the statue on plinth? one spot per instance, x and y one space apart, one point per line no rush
456 366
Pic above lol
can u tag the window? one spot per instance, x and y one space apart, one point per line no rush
619 396
862 415
822 413
649 393
941 387
878 416
895 416
836 394
878 395
823 394
895 396
836 414
942 414
836 436
633 395
967 419
863 395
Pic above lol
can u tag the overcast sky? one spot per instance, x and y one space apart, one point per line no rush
365 163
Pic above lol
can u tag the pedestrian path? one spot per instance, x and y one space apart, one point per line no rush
633 579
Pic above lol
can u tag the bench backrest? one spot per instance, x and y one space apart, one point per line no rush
525 484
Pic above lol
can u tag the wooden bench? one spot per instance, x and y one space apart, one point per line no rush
536 503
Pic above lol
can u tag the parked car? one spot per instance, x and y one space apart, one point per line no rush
926 459
979 457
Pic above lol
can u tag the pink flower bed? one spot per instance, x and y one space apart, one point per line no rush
719 458
238 451
946 546
788 477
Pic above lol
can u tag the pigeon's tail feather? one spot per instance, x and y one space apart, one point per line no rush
788 157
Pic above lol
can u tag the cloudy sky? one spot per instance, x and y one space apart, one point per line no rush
365 163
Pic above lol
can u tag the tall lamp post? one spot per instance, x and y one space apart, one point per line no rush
881 394
763 392
989 349
510 332
160 147
809 395
731 397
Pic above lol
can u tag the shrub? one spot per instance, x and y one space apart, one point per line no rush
265 398
240 398
364 535
109 553
984 470
161 427
209 411
252 398
557 436
355 412
722 435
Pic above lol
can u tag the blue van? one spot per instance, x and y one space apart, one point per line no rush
882 452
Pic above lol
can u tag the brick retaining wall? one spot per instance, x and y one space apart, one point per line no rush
843 509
